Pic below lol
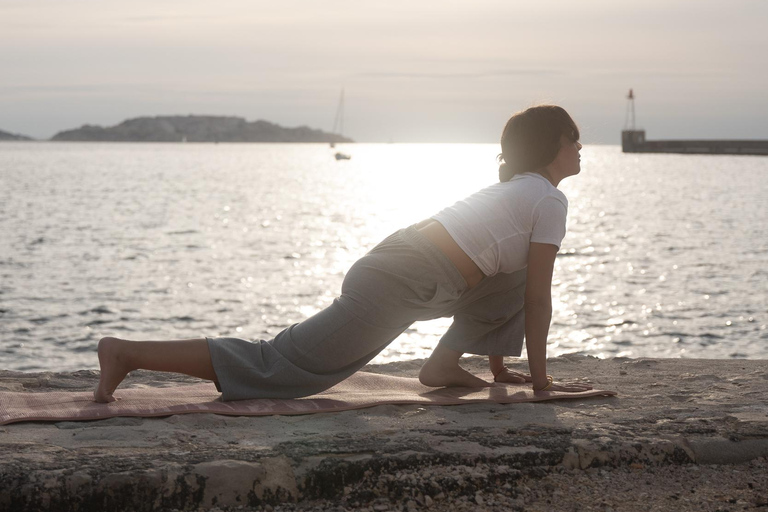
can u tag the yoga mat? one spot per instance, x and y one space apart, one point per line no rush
359 391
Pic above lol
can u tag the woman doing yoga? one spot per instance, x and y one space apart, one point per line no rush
487 261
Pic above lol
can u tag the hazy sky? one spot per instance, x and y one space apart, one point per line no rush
413 71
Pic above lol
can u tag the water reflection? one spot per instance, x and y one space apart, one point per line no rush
663 256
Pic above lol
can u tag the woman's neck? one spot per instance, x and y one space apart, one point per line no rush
548 175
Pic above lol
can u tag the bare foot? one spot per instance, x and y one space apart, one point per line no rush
113 369
512 377
439 375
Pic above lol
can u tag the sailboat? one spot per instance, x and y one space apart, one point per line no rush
338 123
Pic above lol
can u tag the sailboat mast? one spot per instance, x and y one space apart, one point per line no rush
338 122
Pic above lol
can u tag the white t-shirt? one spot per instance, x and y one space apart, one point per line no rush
496 225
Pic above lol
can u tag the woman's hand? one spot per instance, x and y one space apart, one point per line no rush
514 377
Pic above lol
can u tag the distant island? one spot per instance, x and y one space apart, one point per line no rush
196 129
13 136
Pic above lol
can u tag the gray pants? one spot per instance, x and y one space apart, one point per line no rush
404 279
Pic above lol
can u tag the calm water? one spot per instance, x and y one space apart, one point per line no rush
666 255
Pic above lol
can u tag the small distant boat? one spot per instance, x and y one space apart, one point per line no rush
342 156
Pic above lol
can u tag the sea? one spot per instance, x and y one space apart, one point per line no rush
666 255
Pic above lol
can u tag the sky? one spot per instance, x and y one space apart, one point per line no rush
412 71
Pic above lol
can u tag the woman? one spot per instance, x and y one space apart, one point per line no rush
487 261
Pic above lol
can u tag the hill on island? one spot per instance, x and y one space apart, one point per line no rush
13 136
196 129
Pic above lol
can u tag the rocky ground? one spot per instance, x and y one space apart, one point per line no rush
684 488
687 435
687 488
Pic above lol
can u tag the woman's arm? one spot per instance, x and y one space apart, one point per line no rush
538 309
538 315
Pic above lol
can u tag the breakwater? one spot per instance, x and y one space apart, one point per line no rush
633 141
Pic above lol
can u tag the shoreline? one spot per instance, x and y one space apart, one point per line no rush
697 430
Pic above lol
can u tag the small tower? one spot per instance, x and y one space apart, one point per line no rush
629 118
632 139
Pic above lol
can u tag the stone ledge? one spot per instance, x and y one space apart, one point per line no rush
669 413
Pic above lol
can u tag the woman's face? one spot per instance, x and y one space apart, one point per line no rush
568 160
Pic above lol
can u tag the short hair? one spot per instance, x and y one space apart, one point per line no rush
531 139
